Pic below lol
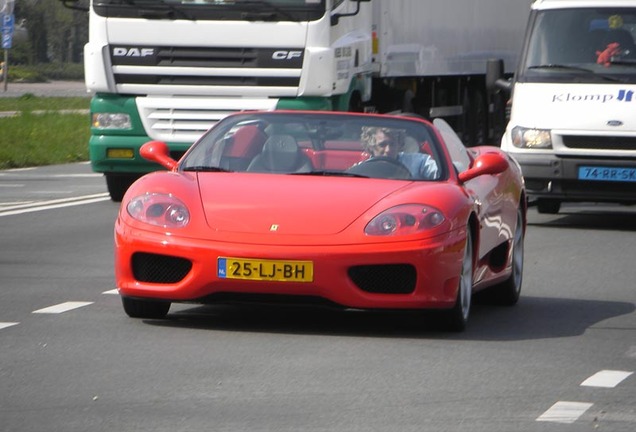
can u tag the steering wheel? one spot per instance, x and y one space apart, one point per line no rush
381 167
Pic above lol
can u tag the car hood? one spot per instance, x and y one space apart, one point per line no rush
288 204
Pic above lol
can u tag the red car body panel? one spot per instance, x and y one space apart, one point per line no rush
322 220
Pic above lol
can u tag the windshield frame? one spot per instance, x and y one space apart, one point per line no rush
333 143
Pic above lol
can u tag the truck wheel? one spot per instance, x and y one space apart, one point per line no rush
477 120
355 103
118 184
548 206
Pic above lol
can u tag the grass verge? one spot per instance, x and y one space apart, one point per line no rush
46 137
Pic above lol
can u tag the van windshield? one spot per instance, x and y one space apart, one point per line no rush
581 45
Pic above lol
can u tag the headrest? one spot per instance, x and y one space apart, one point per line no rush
280 153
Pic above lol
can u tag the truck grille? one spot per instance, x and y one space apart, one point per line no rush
195 66
599 142
180 77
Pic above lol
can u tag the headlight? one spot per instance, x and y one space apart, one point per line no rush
404 219
111 121
159 209
531 138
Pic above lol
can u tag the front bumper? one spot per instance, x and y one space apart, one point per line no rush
553 177
337 275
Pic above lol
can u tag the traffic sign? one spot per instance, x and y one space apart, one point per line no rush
8 24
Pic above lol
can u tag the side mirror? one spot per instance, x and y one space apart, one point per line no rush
158 151
495 80
75 5
487 163
335 18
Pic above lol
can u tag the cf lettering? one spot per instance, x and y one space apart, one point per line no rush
286 55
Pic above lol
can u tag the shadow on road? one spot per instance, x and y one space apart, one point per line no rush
532 318
618 218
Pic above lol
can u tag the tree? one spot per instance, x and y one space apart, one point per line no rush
55 33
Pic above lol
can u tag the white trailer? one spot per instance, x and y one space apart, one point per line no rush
430 57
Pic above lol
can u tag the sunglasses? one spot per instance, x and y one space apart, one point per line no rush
385 143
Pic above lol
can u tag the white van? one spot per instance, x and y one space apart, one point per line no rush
572 122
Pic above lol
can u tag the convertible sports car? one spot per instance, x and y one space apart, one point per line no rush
360 211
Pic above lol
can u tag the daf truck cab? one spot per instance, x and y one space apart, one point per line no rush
169 70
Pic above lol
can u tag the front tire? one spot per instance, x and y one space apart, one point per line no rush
149 309
457 317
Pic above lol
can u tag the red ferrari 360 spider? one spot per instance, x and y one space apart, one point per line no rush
361 211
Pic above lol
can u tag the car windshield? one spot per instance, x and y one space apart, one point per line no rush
325 144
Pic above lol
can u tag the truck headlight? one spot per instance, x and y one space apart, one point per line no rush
111 121
531 138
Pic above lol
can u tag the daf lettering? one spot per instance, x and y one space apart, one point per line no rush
286 55
133 52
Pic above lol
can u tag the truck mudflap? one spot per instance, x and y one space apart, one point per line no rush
551 180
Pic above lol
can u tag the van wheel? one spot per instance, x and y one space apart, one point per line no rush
548 206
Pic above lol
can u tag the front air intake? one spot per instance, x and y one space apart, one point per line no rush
162 269
385 278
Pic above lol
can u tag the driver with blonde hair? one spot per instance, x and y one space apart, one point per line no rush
389 142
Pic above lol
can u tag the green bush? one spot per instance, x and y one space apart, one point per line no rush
46 71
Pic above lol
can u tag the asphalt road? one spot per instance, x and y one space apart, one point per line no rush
48 89
563 359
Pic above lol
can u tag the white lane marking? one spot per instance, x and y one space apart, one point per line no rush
62 307
113 291
12 185
4 325
45 176
606 378
564 412
53 204
20 169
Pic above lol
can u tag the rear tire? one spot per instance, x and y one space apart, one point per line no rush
150 309
457 317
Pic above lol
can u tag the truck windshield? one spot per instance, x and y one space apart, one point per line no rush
581 45
242 10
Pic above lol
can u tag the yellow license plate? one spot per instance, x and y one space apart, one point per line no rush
265 270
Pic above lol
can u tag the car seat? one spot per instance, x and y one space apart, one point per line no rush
280 154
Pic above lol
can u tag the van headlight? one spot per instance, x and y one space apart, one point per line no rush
531 138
